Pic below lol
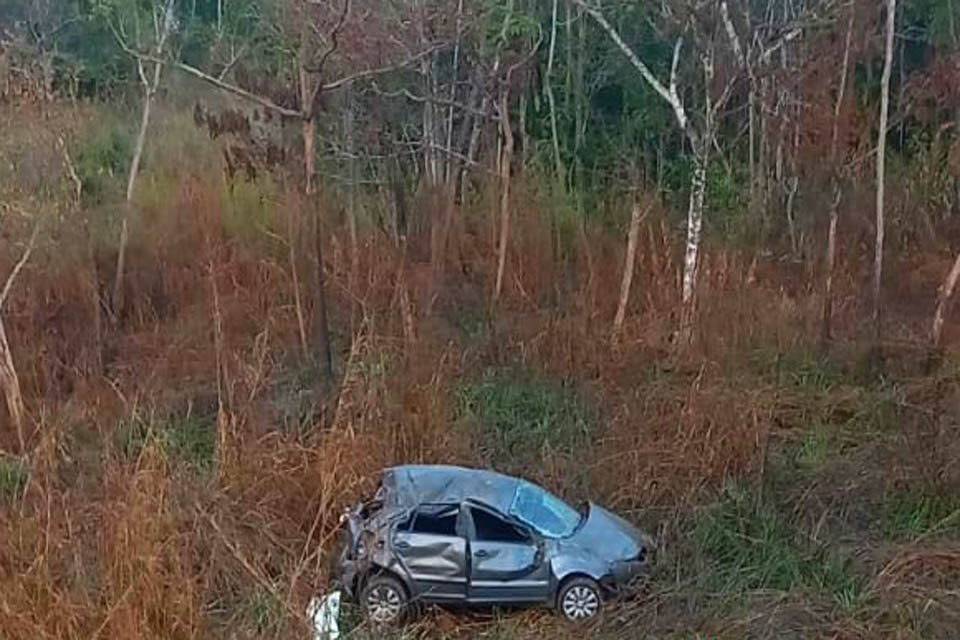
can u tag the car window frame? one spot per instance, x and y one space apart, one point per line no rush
533 538
415 512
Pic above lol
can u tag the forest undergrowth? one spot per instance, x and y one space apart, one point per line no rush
185 461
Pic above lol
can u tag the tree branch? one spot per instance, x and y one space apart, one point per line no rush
732 34
19 266
406 93
669 94
336 84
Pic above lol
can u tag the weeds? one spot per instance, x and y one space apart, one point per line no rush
752 545
520 413
914 513
13 476
188 439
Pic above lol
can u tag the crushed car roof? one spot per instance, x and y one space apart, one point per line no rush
410 485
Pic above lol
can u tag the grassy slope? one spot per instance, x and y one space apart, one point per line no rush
793 494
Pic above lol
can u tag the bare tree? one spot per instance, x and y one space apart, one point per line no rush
629 264
163 26
881 157
8 372
700 139
837 188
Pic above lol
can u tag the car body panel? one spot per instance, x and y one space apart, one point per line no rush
508 571
462 567
436 564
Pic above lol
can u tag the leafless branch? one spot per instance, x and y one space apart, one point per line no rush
17 268
368 73
409 95
334 43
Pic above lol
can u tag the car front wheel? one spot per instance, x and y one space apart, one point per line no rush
384 601
579 600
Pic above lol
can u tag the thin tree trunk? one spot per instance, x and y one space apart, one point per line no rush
636 217
506 160
349 133
825 329
751 135
321 324
11 387
881 158
8 371
698 187
943 297
450 162
548 87
128 207
149 90
293 235
308 95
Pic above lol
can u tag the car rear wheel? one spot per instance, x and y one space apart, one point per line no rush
580 600
384 601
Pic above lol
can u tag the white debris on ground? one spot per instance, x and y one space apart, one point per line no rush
323 613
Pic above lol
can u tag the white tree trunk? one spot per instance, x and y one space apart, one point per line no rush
881 157
943 297
691 257
548 88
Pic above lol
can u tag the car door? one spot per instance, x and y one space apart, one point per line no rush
433 552
506 560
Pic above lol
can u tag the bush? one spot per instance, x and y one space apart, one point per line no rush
103 158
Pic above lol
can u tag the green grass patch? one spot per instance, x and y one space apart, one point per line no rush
518 413
189 439
801 368
751 544
915 513
13 476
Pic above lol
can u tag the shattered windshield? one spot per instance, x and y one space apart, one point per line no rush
547 514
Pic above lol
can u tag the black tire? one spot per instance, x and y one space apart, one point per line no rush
384 601
580 600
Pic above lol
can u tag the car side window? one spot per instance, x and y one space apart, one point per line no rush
491 528
438 520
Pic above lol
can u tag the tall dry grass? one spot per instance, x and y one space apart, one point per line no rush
113 535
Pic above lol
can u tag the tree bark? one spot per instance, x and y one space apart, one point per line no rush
881 166
698 187
636 217
506 160
943 297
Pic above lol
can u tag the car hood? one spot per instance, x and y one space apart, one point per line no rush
609 536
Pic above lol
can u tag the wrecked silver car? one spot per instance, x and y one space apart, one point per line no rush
445 534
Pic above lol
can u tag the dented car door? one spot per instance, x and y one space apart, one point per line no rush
506 560
433 552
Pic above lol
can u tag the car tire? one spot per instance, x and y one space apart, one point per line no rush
580 600
384 601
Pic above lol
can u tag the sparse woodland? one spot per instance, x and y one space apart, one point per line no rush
692 259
